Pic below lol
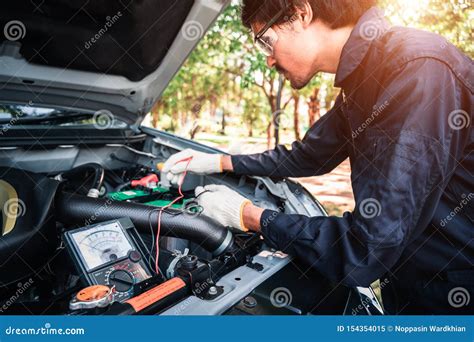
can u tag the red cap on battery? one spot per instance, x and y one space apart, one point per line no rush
145 181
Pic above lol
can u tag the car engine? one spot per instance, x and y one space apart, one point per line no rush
96 230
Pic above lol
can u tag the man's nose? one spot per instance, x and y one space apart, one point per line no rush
271 61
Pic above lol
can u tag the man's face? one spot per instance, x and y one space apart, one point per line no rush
297 51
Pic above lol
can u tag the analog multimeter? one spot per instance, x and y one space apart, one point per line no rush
110 253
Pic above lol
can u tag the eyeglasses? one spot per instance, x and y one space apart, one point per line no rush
266 38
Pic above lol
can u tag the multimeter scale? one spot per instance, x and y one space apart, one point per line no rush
110 253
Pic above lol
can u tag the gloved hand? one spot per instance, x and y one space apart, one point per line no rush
201 163
222 204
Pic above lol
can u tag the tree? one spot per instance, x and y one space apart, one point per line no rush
226 75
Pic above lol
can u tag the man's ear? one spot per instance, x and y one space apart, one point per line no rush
306 14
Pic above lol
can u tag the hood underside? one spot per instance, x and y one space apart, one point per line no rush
96 55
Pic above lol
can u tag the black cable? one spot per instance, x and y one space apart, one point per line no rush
150 224
98 174
121 187
150 256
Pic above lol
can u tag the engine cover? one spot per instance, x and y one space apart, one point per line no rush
28 231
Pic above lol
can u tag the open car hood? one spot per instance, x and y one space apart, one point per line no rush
98 55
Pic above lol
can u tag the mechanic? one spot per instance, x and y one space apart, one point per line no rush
404 118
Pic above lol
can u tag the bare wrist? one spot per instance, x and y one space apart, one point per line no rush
251 215
226 163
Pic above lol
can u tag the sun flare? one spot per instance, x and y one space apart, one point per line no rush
408 10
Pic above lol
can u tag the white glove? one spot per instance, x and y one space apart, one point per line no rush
201 163
222 205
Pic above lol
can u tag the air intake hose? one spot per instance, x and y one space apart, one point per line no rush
79 210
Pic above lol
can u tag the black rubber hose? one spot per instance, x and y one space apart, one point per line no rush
122 186
80 210
79 171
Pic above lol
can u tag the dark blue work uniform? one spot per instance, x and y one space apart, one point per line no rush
404 118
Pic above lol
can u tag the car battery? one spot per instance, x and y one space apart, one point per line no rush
157 197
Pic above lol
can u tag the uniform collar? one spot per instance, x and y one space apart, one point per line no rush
371 26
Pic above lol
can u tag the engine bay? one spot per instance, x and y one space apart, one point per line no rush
98 230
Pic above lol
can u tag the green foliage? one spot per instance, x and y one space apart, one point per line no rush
453 19
226 75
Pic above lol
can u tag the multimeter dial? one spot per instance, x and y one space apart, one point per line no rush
122 280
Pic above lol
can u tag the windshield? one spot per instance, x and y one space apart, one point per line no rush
14 115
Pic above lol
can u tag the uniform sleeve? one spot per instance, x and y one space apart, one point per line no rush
323 148
413 151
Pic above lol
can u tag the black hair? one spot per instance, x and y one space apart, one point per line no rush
335 13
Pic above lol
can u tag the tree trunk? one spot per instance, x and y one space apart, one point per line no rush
223 123
155 113
278 112
269 134
194 130
174 121
272 101
296 115
184 118
314 109
213 107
